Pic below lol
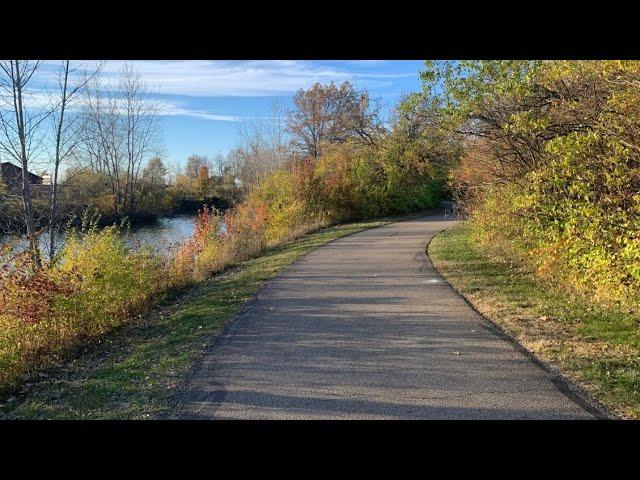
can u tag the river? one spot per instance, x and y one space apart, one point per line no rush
161 235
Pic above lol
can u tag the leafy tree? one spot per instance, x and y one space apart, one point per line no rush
193 166
155 173
560 141
330 113
203 183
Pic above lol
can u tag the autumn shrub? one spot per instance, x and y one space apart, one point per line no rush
27 302
246 230
203 253
95 285
29 293
285 210
581 215
332 176
111 282
555 179
357 181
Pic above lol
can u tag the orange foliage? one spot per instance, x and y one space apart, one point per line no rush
206 227
473 174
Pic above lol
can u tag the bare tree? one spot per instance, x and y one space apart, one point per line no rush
19 129
121 131
102 141
261 149
219 162
174 170
140 122
67 132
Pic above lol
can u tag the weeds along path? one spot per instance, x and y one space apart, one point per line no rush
365 328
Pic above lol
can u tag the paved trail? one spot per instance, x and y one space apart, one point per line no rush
364 328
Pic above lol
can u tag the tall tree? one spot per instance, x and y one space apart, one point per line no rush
261 149
140 121
67 132
332 114
122 127
153 184
193 166
19 132
155 173
102 139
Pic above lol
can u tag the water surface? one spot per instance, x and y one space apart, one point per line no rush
162 235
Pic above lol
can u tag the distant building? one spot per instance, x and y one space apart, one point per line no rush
11 176
47 179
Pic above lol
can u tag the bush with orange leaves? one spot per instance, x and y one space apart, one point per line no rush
202 253
246 227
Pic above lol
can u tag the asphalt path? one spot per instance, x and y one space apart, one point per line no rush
365 328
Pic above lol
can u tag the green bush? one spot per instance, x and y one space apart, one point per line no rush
560 140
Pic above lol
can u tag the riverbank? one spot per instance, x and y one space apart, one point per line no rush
132 372
185 207
596 348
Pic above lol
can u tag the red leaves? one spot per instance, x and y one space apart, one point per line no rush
29 293
260 216
246 218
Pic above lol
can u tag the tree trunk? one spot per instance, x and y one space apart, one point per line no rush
26 186
54 187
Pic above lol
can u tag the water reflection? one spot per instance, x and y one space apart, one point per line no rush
162 235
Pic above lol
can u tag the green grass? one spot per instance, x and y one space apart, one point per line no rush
595 346
132 372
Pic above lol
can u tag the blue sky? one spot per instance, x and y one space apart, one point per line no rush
203 101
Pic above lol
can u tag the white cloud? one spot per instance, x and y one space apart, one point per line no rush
230 78
173 109
244 78
39 100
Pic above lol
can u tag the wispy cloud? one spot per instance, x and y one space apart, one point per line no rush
42 100
172 79
173 109
247 78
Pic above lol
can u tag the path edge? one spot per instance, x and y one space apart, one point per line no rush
565 385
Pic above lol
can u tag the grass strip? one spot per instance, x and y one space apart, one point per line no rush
597 348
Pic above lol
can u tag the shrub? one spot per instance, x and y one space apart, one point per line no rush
285 211
203 253
96 285
559 170
246 230
111 283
